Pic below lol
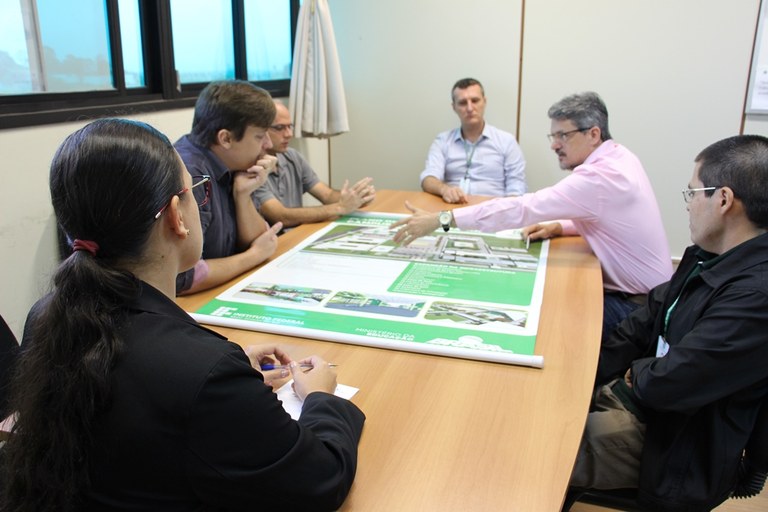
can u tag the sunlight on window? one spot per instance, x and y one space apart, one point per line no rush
47 46
268 39
54 46
130 35
15 77
203 45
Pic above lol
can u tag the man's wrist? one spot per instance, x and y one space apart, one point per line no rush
242 195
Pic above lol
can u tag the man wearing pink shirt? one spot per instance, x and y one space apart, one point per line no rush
607 199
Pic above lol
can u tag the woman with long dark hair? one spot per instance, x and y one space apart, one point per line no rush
122 401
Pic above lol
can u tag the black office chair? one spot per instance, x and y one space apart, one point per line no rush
753 473
9 348
753 470
619 499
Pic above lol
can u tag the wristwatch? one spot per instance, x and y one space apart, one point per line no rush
445 219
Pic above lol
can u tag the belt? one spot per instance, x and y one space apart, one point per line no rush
638 298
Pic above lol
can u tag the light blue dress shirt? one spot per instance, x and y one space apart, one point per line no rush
493 166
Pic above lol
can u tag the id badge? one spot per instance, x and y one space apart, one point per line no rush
662 347
464 185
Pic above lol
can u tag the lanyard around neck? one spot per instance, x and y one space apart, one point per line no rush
470 154
694 272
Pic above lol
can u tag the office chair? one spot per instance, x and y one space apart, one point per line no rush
9 348
753 472
619 499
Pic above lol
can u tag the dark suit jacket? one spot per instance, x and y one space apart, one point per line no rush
192 426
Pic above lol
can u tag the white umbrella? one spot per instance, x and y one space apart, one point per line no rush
317 99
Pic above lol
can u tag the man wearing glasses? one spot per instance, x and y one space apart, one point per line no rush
683 378
229 143
607 199
475 158
281 198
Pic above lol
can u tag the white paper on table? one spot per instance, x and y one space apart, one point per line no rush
513 234
292 403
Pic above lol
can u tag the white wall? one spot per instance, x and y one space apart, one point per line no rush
673 75
756 124
399 60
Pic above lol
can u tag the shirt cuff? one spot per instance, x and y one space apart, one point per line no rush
200 272
568 228
463 218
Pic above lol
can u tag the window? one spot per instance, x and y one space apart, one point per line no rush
40 54
58 63
203 40
130 36
269 49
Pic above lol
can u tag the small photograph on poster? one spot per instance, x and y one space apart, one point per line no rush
267 292
473 314
377 304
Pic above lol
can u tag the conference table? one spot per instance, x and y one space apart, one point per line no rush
447 434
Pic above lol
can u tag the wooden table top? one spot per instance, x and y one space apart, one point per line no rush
448 434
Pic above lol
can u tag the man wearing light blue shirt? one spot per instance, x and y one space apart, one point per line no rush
477 158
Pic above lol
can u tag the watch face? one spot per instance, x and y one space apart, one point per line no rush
445 218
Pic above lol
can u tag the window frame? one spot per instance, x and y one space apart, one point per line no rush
159 93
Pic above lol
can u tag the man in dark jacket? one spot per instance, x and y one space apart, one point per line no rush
681 381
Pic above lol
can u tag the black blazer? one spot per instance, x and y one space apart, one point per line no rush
192 426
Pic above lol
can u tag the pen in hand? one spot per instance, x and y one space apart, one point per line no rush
305 366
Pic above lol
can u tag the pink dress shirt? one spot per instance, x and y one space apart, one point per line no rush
609 201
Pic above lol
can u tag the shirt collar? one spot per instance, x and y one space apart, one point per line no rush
457 137
716 269
217 168
153 301
605 146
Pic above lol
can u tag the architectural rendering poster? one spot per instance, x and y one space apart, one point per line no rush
461 294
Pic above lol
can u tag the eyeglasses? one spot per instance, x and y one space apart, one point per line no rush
281 127
688 193
196 182
561 137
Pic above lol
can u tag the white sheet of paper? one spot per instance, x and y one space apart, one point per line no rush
292 403
513 234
